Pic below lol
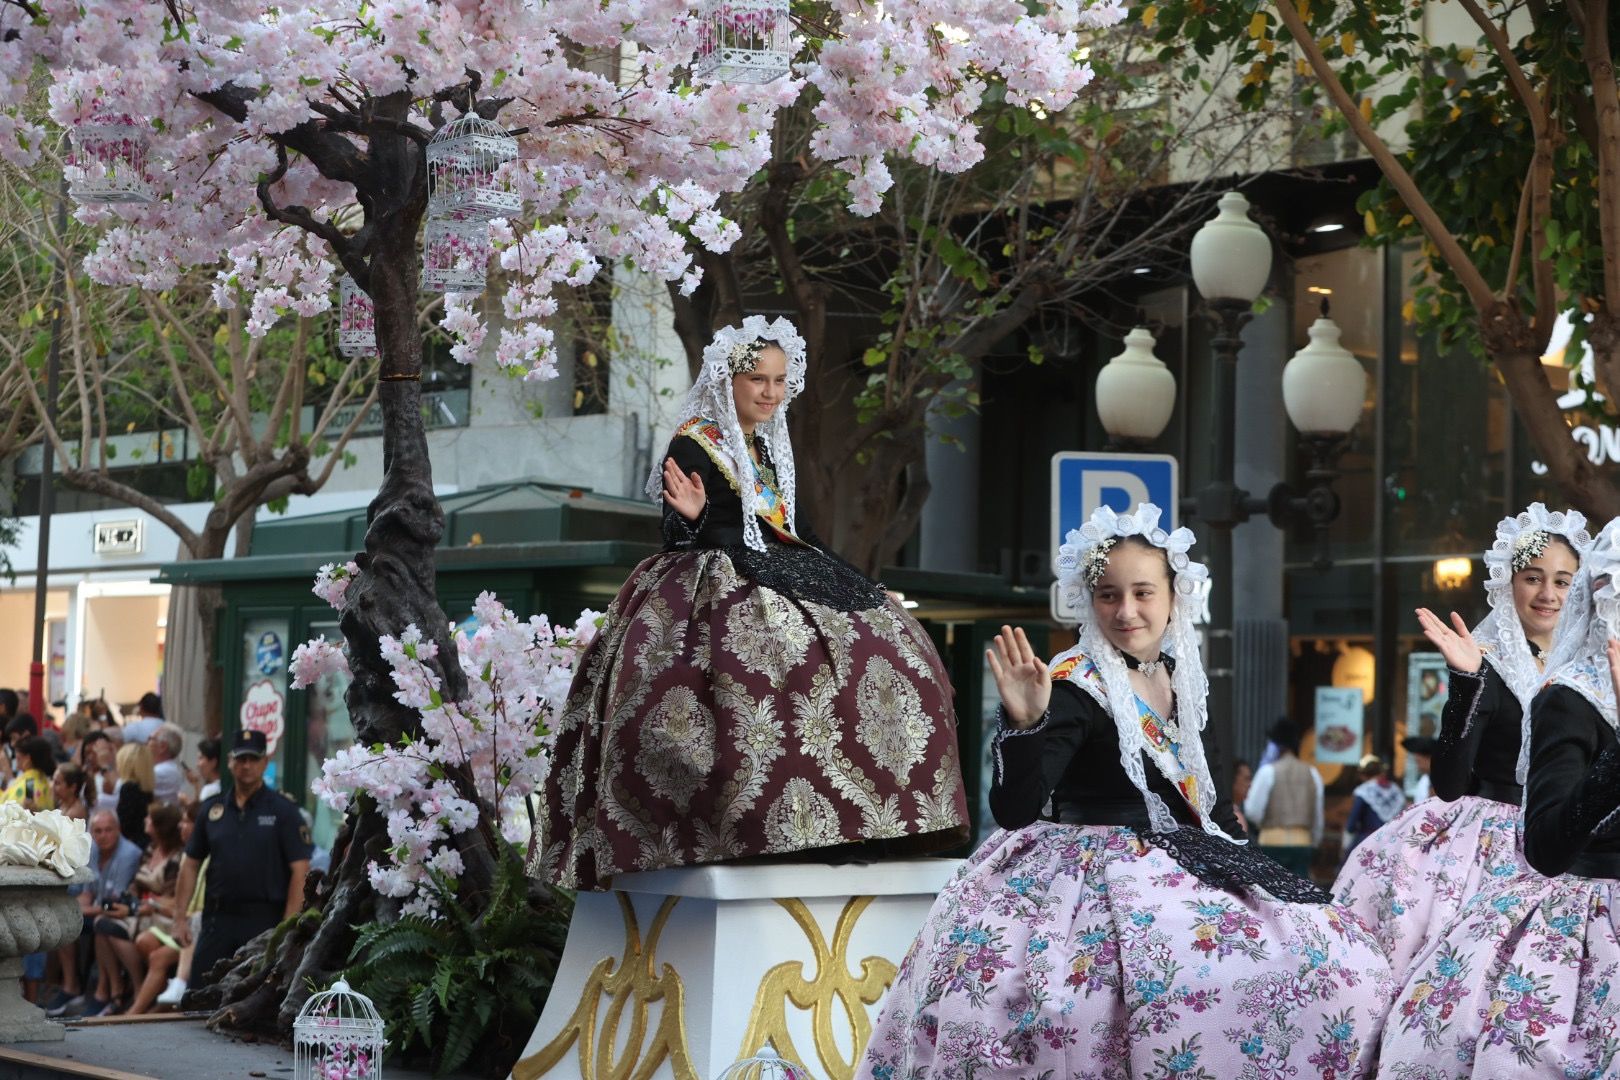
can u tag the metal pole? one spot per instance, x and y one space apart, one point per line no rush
47 493
1219 508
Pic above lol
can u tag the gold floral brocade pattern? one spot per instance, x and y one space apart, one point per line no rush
715 718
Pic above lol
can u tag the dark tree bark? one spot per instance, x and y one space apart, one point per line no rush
396 586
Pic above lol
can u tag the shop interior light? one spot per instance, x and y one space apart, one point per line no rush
1453 573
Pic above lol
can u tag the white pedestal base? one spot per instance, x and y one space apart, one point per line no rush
677 974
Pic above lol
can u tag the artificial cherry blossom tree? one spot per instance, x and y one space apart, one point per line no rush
287 142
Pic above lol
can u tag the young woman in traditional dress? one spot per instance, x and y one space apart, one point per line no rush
1523 983
750 693
1411 878
1129 932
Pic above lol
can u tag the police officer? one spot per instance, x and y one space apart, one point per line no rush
258 849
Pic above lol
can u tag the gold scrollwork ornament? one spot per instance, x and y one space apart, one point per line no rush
630 984
835 990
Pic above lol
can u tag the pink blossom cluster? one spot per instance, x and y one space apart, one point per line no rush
625 156
518 673
332 582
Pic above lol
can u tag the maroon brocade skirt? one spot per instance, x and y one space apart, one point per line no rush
715 718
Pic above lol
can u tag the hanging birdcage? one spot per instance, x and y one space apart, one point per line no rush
455 254
338 1036
108 161
464 160
357 320
744 41
765 1065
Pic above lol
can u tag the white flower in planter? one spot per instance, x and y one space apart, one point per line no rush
48 839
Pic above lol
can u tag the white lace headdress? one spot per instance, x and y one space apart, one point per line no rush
1582 661
735 350
1080 562
1519 540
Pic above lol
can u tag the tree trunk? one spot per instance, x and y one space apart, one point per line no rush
889 500
395 589
1513 349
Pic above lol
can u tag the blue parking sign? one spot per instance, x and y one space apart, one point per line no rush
1081 482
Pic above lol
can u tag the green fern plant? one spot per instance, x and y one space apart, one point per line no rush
460 989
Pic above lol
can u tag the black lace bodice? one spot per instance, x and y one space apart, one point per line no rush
803 571
1479 735
1067 768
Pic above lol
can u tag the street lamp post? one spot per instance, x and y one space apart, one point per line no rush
1324 387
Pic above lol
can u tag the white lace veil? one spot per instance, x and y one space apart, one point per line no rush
1085 546
1500 633
710 398
1582 664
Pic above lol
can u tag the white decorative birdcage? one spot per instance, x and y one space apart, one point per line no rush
765 1065
338 1036
357 320
108 161
744 41
455 254
464 161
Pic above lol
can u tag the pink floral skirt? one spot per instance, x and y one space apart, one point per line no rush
1411 878
1083 953
1522 985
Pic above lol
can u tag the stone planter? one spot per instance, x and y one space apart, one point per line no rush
36 915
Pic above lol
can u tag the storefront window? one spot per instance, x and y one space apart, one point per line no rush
264 690
327 731
1446 423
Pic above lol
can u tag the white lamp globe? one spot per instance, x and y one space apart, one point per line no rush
1324 385
1231 255
1135 391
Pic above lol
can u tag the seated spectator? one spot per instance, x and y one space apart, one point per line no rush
102 715
148 718
19 727
165 745
67 788
155 943
207 768
135 786
114 861
36 763
74 729
148 902
98 756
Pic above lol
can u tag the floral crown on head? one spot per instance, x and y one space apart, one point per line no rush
1523 538
1528 548
736 349
744 355
1083 558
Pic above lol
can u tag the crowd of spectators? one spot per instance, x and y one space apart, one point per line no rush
144 912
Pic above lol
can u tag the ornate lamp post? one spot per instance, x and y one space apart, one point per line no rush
1324 388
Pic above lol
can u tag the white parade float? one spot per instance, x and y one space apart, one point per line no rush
676 974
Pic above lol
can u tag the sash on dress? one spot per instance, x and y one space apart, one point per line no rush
772 510
1163 750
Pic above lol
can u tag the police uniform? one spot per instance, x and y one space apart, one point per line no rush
250 850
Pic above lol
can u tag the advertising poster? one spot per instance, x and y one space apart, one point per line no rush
1426 688
1339 715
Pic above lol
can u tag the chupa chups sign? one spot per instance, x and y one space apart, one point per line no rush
265 709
